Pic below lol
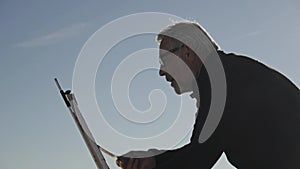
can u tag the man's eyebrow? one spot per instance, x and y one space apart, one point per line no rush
171 51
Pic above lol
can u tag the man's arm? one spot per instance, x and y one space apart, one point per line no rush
193 155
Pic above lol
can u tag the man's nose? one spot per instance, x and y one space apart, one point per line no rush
161 72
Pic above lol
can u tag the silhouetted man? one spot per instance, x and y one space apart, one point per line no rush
260 126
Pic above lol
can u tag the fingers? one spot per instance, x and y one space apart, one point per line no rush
122 161
126 163
136 163
118 162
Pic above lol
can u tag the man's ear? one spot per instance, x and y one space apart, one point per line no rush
188 53
185 51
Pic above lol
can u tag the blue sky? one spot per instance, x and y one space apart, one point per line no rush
40 40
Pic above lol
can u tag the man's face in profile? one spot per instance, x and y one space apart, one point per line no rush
175 65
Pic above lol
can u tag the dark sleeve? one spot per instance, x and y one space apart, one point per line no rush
191 156
194 155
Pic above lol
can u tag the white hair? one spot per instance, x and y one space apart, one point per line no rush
190 34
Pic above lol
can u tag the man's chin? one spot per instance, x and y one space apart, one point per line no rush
177 90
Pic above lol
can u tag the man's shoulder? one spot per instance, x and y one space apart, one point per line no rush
242 62
237 58
244 68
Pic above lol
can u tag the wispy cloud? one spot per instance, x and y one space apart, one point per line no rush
250 34
58 35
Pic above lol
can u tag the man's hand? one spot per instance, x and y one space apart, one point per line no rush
136 163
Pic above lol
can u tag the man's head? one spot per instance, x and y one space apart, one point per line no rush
181 47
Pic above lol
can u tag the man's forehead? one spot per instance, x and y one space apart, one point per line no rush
166 43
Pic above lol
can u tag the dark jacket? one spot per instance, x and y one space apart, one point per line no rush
260 126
